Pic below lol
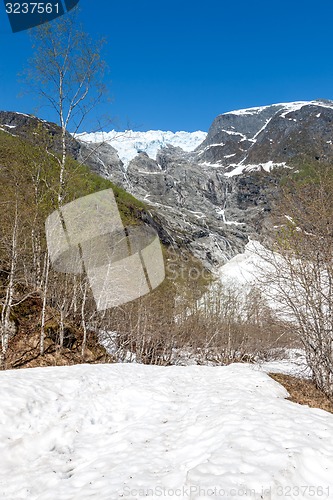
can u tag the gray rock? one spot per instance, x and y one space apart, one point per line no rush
102 159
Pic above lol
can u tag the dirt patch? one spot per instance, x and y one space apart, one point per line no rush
24 347
303 391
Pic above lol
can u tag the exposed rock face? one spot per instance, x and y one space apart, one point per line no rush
231 135
216 197
278 133
304 132
102 159
36 131
198 205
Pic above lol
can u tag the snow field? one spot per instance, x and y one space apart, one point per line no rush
131 431
128 144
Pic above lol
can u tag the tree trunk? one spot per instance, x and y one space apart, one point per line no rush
8 304
46 280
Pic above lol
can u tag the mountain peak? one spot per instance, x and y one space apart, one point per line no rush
269 135
288 106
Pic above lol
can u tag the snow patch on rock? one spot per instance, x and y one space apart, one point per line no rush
241 168
288 106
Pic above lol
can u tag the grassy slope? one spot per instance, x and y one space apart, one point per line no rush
20 160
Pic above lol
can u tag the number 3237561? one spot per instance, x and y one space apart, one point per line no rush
32 8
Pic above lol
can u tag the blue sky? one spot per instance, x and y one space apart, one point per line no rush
176 65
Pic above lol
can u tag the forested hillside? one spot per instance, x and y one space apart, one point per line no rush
29 177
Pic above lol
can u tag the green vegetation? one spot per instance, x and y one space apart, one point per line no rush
25 165
29 187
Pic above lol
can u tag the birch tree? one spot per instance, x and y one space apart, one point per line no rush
5 323
67 72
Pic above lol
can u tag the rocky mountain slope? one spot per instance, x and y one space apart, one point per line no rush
214 198
269 135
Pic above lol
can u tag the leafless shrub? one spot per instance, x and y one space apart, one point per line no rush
298 269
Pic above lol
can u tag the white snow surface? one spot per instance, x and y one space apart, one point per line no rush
289 106
294 363
245 269
242 167
119 431
129 143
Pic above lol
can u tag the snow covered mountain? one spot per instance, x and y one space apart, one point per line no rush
264 137
210 192
130 143
233 139
215 197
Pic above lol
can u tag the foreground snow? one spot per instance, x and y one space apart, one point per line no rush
131 431
128 144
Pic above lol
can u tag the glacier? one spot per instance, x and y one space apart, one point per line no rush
129 143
